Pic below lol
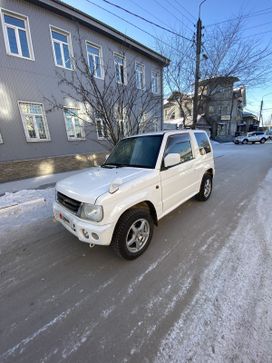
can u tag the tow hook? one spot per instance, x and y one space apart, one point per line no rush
91 245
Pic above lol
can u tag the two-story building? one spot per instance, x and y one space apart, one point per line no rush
38 40
220 109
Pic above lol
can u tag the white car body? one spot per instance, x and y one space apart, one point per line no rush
119 189
255 136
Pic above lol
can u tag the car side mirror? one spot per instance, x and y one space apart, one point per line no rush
171 160
202 151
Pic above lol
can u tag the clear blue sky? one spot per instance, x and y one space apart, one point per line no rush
182 14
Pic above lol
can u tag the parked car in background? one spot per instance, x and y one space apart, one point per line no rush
255 136
144 178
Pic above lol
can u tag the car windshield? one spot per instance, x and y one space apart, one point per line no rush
139 151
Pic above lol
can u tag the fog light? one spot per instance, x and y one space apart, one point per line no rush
95 236
85 234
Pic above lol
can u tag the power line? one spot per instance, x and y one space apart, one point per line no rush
257 26
149 12
147 21
135 26
257 13
168 11
171 3
187 11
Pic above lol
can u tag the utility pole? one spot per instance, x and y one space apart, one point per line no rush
261 115
197 65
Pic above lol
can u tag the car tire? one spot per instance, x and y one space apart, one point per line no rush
245 141
133 233
205 188
236 142
263 140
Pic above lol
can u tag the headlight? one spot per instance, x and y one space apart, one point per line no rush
91 212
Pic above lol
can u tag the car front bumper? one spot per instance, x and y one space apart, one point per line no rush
85 231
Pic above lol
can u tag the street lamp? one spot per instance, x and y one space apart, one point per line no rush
261 107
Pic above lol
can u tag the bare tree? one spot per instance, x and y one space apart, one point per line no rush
114 107
226 53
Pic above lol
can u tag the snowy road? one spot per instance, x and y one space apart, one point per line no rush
202 292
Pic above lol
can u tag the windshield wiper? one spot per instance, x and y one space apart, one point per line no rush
113 165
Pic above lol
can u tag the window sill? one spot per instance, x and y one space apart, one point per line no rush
20 56
35 141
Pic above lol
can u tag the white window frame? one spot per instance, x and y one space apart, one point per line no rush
103 137
142 73
1 139
156 125
124 67
28 138
69 43
153 71
27 30
99 47
83 130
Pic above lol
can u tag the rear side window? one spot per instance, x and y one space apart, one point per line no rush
180 144
203 141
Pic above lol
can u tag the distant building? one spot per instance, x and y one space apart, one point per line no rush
249 123
220 109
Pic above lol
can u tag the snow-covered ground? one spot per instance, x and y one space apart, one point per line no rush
230 318
23 210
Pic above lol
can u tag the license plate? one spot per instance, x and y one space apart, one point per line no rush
64 219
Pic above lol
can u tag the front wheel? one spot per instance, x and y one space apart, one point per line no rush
263 140
133 233
245 141
205 188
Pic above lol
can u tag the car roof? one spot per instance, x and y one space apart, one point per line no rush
167 132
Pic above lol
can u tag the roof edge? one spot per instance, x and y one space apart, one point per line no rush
72 13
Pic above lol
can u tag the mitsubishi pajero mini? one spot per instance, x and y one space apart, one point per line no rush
144 178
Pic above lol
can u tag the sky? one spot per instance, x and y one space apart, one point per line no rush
182 15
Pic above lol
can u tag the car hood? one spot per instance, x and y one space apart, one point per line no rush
87 186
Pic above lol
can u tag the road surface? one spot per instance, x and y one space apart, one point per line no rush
64 302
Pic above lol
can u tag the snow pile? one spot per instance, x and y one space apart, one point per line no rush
14 220
230 318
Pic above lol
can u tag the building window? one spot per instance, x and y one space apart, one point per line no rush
1 139
119 65
94 55
211 109
155 81
74 126
62 48
34 121
156 125
17 35
140 79
101 129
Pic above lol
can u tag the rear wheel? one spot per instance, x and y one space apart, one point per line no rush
205 188
133 233
263 140
245 141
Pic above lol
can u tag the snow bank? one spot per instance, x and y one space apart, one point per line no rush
230 318
13 221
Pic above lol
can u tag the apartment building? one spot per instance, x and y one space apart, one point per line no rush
38 40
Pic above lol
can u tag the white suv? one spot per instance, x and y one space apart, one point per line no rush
144 178
256 136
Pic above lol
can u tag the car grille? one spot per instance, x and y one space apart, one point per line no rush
69 203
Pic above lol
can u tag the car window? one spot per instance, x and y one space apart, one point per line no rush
139 151
202 141
180 144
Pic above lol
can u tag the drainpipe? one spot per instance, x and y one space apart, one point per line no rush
161 98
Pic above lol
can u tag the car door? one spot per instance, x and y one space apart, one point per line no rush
252 137
178 182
